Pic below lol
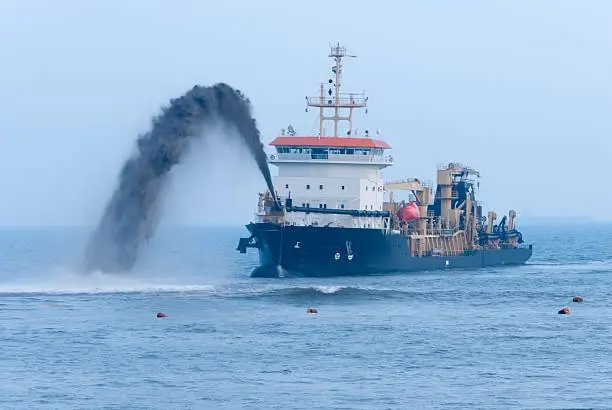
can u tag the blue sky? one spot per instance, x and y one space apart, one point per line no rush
521 90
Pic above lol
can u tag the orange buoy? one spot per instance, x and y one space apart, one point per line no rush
578 299
160 314
564 311
312 311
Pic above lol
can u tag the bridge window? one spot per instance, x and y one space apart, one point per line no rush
342 206
308 186
320 186
325 206
287 186
343 187
319 153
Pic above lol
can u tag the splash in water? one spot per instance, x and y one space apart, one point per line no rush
131 215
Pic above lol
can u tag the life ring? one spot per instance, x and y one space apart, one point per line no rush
272 157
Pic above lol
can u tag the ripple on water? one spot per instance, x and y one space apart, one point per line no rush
486 339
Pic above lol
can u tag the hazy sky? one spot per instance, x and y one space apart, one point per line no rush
521 90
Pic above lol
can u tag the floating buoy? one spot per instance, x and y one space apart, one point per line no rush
578 299
160 314
312 311
564 311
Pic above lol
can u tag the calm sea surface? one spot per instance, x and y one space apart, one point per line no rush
488 339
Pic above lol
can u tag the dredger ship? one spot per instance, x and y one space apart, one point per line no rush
331 213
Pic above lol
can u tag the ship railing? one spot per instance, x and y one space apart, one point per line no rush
457 166
448 231
442 231
264 218
374 159
442 252
443 166
424 184
345 101
453 195
451 165
404 180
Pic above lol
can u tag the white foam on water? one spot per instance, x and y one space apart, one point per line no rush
66 282
330 289
577 267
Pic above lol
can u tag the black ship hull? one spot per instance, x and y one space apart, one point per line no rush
329 251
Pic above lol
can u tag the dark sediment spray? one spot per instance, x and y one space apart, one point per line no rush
132 213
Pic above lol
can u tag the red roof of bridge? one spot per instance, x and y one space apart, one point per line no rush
346 142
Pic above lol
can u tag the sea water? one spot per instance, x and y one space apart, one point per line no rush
487 338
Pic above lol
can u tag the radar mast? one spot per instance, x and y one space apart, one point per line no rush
336 100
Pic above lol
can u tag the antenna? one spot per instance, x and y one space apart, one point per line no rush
335 99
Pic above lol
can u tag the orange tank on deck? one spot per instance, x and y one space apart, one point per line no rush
409 212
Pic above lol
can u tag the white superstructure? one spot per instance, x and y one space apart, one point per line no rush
332 172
